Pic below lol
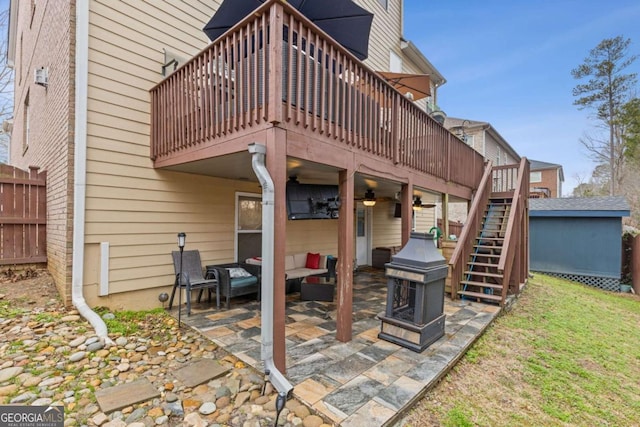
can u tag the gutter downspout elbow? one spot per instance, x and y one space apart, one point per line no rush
80 173
276 377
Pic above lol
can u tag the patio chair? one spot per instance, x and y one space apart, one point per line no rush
237 279
192 278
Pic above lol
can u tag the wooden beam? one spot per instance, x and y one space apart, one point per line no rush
406 197
277 167
445 215
346 252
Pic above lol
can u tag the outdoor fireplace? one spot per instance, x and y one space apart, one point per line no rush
414 316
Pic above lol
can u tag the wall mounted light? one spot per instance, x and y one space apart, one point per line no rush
369 198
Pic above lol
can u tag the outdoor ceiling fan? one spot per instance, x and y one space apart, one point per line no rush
418 205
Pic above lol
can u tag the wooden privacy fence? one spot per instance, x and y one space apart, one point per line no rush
23 216
631 260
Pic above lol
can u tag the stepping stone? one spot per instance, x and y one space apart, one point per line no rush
113 398
200 372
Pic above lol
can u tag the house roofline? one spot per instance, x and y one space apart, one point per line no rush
423 63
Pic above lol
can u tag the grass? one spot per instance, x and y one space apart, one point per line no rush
127 323
566 354
7 311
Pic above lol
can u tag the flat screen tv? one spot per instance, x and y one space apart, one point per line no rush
312 201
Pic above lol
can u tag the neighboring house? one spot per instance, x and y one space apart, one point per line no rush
136 151
546 179
485 139
578 239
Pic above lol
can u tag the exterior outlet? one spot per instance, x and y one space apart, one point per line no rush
41 76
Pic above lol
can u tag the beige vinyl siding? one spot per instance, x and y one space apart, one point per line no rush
386 230
491 149
316 236
425 219
135 208
386 31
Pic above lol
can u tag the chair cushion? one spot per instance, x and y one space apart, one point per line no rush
241 282
300 260
236 272
313 260
289 262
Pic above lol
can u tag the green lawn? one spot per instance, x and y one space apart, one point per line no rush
565 354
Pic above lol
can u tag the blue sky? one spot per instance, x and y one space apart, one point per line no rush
509 63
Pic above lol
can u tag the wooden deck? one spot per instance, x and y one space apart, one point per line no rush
243 84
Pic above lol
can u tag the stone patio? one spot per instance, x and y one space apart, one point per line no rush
366 381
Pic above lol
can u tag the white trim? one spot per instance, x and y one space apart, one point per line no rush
12 33
80 171
235 225
104 269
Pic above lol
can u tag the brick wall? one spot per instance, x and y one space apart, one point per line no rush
46 38
549 180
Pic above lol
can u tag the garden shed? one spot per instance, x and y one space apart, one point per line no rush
578 239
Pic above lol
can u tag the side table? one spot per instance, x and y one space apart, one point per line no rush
317 288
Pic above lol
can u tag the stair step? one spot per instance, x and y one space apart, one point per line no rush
479 295
489 238
480 254
483 274
481 264
486 247
481 284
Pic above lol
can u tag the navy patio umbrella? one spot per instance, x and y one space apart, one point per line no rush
345 21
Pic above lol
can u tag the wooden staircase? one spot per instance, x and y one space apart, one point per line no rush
481 278
491 259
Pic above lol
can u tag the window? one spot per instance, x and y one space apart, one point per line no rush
469 140
248 226
535 176
26 119
384 3
498 157
395 63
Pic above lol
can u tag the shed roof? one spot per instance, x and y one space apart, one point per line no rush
615 206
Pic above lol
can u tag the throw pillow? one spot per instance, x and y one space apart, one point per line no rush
313 260
236 272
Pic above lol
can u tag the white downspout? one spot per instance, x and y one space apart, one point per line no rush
80 172
278 380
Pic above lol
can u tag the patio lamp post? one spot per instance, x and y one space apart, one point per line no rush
182 237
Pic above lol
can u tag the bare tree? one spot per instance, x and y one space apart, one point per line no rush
605 92
6 83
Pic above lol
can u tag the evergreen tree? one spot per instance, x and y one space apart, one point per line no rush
606 90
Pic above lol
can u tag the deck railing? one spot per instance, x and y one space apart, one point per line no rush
471 228
514 258
276 66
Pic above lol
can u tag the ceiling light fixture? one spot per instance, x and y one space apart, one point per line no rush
369 198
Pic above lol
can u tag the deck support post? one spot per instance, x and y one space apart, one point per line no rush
406 196
346 251
445 215
277 166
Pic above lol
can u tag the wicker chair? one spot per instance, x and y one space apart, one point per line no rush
239 285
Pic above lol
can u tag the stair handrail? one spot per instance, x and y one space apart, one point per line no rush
511 241
470 229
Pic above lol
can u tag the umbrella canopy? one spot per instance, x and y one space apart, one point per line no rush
419 85
345 21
